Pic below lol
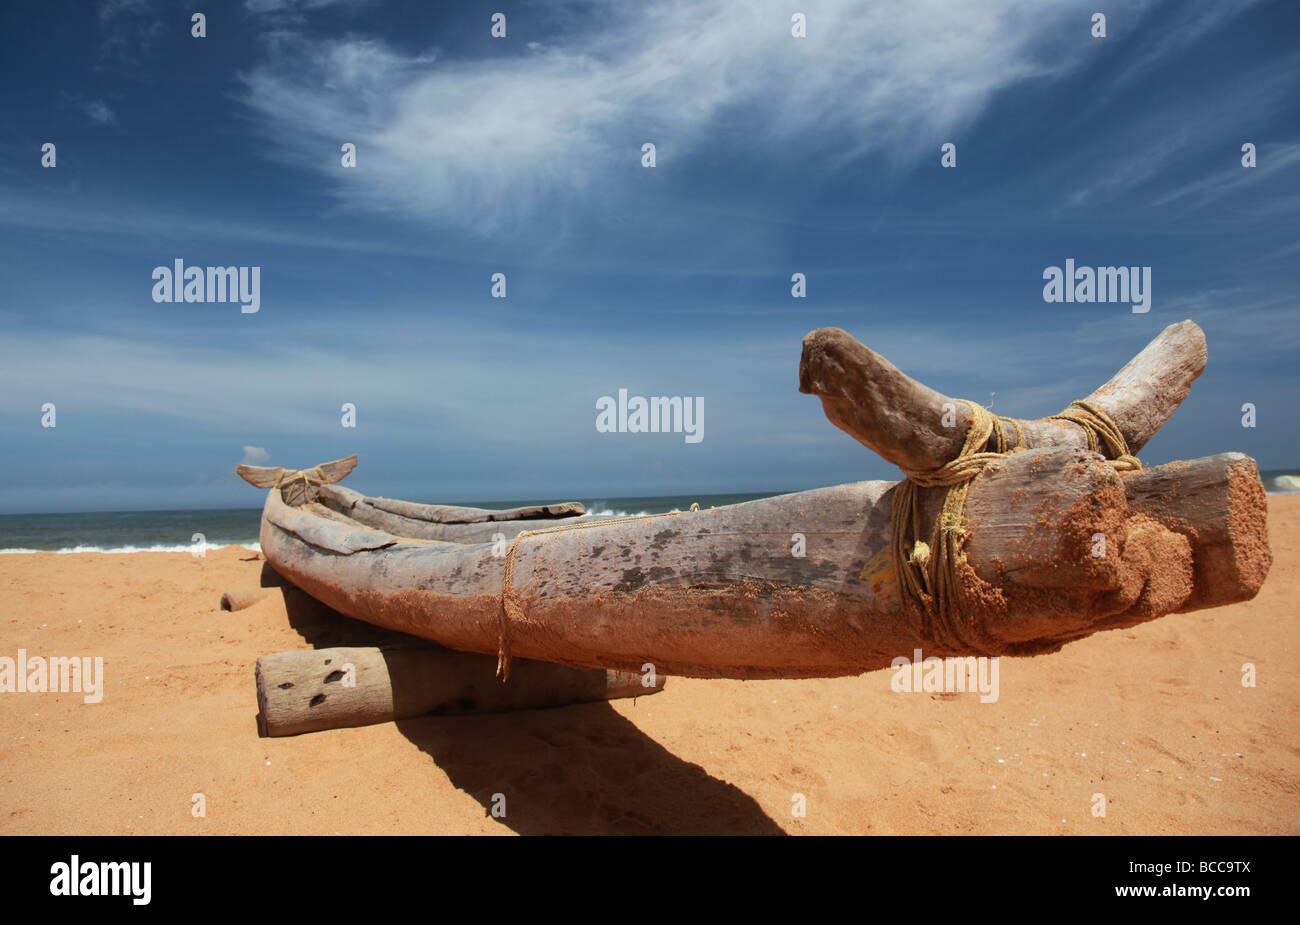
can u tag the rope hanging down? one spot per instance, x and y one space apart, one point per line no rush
512 603
927 571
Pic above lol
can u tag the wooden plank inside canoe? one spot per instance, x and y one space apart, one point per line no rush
357 508
452 514
311 526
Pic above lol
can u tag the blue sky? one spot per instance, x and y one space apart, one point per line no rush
522 155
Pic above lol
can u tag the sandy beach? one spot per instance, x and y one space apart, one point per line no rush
1155 718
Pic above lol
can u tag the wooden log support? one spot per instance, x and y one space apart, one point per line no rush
243 598
314 689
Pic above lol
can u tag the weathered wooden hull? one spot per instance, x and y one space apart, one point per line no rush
606 597
1047 542
723 593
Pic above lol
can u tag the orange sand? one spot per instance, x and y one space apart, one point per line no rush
1154 717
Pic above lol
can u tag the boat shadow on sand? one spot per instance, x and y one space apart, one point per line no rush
582 769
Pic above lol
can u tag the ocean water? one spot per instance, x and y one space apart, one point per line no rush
174 531
1280 481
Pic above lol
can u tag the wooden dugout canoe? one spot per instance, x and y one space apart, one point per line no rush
725 592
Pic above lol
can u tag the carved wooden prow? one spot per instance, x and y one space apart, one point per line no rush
868 398
297 486
1216 503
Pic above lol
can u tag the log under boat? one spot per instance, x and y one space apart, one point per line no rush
1055 536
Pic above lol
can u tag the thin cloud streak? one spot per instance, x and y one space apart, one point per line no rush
488 144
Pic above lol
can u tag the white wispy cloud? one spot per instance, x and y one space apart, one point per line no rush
255 456
1235 180
99 112
1194 20
543 392
1139 152
115 224
544 128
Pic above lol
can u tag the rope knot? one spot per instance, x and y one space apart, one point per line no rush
927 572
1101 432
291 481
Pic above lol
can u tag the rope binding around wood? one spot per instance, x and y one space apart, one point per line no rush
310 477
927 571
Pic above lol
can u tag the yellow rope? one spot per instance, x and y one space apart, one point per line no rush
1100 429
512 606
928 571
307 480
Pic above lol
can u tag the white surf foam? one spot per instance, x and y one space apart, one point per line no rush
1284 484
117 550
